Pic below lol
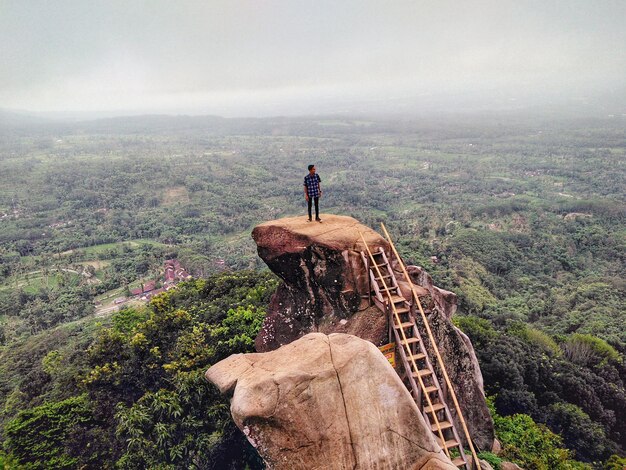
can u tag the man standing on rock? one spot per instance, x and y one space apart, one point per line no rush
313 191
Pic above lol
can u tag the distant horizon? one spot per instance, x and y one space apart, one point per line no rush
602 104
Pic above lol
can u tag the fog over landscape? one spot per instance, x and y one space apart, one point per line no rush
253 58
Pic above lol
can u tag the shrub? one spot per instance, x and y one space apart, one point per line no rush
578 430
127 318
532 445
615 462
537 338
38 436
491 459
7 462
587 350
479 330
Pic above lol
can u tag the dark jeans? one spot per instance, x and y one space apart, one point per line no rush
317 206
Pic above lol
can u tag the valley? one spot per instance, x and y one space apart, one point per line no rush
522 216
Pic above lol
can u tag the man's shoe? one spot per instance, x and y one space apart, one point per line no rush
318 220
309 219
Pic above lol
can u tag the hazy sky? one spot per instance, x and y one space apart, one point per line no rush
259 57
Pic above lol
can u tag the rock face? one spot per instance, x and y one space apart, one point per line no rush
323 276
442 300
313 405
326 290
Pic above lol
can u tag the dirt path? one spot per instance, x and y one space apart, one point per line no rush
103 311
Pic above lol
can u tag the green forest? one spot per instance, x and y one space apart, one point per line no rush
523 217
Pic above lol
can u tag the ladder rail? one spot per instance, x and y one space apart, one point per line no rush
394 281
415 390
435 382
373 286
438 389
405 344
435 348
430 412
369 291
377 291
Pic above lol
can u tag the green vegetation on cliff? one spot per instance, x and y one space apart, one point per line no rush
138 397
531 373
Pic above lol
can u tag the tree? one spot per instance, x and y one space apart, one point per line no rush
39 437
532 445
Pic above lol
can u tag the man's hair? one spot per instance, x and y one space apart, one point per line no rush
311 167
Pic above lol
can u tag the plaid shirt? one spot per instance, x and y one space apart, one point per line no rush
312 183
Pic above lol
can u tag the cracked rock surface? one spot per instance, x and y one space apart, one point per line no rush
327 402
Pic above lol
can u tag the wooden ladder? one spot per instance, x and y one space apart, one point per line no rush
422 380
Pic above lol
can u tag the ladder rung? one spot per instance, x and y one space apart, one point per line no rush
404 325
423 373
396 299
392 289
416 357
442 424
410 340
388 276
402 310
450 443
436 407
459 461
431 389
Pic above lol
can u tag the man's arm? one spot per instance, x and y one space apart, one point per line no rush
306 193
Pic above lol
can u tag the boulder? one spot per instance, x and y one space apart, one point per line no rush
484 465
510 466
496 448
323 275
443 300
330 402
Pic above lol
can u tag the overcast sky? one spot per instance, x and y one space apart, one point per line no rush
258 57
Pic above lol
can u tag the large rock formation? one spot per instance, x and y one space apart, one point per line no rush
330 402
324 280
326 290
